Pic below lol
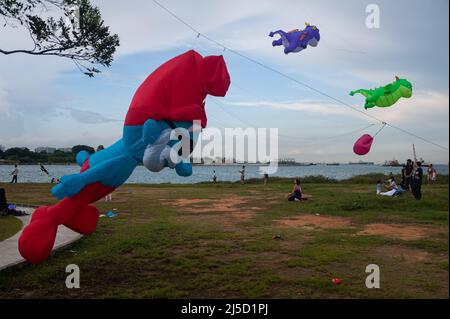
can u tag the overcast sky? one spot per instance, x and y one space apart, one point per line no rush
45 101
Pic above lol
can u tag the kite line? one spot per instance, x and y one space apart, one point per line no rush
269 68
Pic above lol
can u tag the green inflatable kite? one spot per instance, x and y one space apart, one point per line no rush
387 95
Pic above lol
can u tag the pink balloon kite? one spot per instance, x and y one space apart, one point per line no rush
363 145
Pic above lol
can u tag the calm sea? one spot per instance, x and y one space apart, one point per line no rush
32 173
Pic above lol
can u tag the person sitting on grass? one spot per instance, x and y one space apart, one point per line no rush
296 194
3 202
393 188
8 209
379 187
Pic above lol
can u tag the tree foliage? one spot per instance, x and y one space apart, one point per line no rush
25 156
71 29
79 148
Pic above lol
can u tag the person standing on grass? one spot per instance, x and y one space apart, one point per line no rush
266 178
409 169
14 174
214 177
403 178
242 171
417 181
432 174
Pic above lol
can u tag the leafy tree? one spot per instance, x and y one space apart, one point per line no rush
17 151
79 148
72 29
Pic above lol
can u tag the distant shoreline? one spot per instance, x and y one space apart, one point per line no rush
232 164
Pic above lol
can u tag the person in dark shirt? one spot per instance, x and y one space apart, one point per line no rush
409 168
3 201
43 169
242 171
417 182
403 178
8 209
296 194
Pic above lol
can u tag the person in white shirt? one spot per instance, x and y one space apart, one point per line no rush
14 174
394 189
242 171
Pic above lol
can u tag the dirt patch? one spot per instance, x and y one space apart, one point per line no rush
233 209
190 201
315 221
232 204
404 232
402 253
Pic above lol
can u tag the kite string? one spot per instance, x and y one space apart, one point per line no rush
218 103
224 47
252 94
382 127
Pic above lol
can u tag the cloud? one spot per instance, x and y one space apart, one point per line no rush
430 107
4 106
426 107
89 117
305 106
153 29
34 90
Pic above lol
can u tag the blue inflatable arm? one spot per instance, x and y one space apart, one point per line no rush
138 137
113 173
81 157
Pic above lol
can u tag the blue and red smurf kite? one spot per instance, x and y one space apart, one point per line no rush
171 97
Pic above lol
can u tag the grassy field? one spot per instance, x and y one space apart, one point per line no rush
217 241
9 225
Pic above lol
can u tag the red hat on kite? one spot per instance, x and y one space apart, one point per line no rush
177 89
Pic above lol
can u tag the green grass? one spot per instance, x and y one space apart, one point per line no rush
160 248
9 226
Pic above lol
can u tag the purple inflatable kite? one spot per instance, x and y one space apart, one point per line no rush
297 40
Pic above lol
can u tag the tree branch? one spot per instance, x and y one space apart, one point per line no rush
86 40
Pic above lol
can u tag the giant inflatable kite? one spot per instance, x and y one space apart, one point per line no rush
387 95
173 96
363 144
297 40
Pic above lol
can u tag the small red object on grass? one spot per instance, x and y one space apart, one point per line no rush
336 281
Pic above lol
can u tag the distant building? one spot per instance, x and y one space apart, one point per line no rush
392 163
48 150
65 149
287 161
